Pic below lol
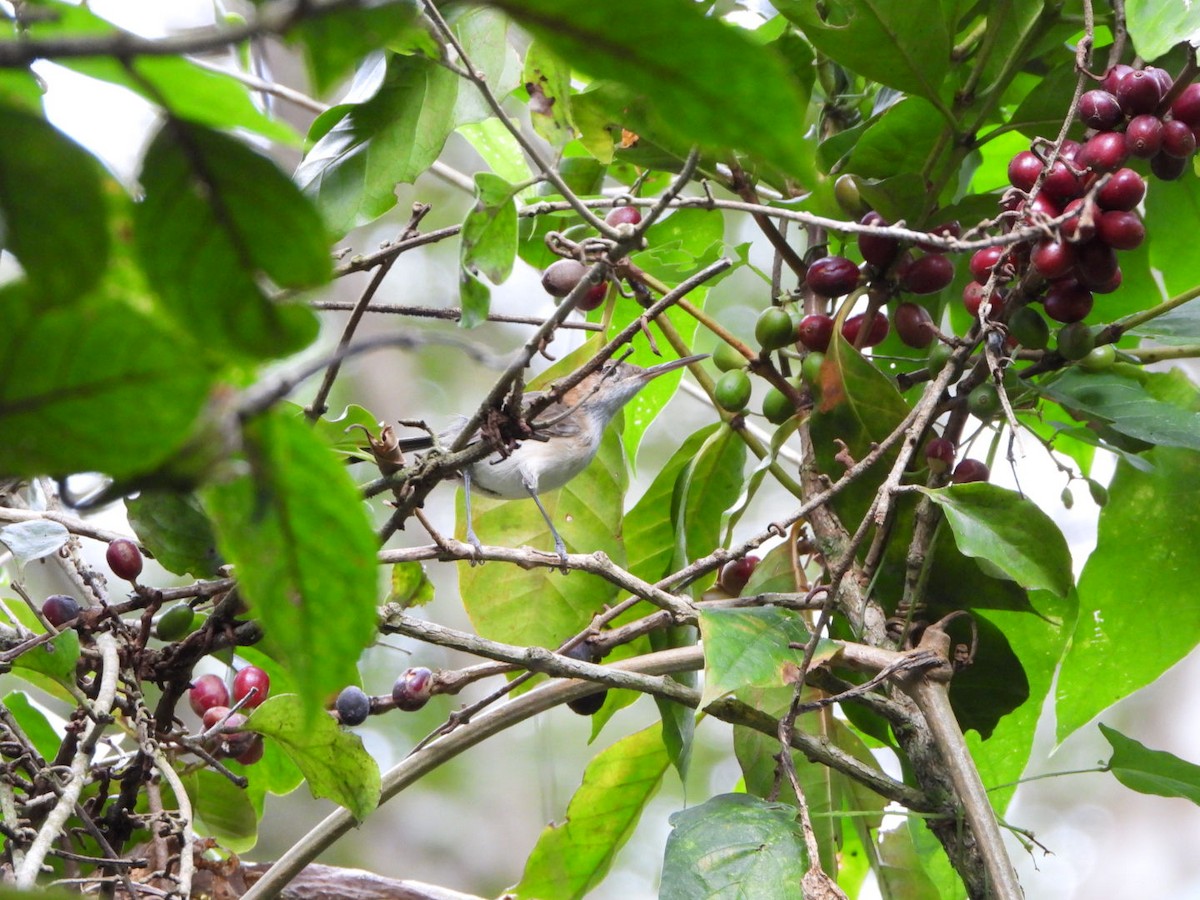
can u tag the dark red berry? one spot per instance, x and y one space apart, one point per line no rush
1139 92
1104 152
206 692
1113 77
952 229
251 678
1162 77
1121 230
1069 150
1106 287
413 688
815 331
1076 229
939 453
1095 262
562 275
353 705
124 558
213 715
853 325
1186 107
253 751
594 297
973 300
59 609
624 215
914 325
983 261
878 251
1144 136
1067 301
734 575
1178 140
832 276
1053 259
970 470
1023 170
1124 190
1043 204
1168 167
927 275
1061 183
1100 110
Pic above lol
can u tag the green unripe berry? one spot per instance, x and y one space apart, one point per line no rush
1100 359
939 355
984 401
846 192
175 623
776 407
774 329
732 392
727 358
1029 328
810 369
1098 491
1075 341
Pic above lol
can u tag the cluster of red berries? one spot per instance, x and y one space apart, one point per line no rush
561 276
888 267
211 700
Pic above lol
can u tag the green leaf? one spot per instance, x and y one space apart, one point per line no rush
1156 27
332 759
548 82
1151 771
33 539
734 845
648 533
302 546
34 723
410 585
102 388
344 434
499 149
652 47
353 169
573 856
1126 403
900 43
489 238
899 141
393 134
175 529
708 486
56 658
1180 326
334 43
1131 629
209 229
1008 531
859 406
223 810
52 212
749 648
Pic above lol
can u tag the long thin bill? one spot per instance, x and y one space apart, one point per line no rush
672 364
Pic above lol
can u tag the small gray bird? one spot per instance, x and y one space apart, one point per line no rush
567 436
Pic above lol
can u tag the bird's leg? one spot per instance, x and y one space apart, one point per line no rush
559 546
472 538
